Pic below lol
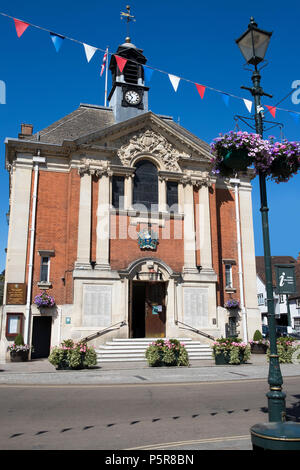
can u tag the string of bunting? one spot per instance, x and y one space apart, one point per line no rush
58 39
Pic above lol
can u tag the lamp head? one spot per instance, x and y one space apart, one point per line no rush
253 43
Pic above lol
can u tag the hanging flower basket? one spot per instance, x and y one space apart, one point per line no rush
232 303
237 159
44 300
236 151
286 160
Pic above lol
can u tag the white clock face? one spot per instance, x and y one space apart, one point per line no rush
132 97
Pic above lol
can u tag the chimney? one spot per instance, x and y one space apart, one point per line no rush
26 130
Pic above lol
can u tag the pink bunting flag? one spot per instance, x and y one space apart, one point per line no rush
21 26
272 110
201 89
121 62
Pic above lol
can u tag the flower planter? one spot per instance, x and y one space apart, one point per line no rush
259 348
19 356
237 159
224 359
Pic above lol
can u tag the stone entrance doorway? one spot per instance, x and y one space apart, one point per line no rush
148 309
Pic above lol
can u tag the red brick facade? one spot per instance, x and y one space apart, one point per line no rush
57 229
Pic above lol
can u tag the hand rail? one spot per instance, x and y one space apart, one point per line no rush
195 330
103 332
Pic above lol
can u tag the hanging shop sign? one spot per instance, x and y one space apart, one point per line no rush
285 279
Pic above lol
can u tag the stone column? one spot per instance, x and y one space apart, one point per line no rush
84 221
248 250
204 230
180 198
128 191
162 195
189 231
103 223
18 224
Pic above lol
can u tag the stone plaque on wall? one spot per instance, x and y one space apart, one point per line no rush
16 294
195 307
97 305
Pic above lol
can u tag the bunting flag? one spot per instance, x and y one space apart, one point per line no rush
201 89
272 110
21 26
148 73
248 105
103 63
89 51
225 98
174 80
57 40
121 62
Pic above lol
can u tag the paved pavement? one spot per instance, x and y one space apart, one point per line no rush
41 372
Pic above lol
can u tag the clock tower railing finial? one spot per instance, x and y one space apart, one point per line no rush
128 18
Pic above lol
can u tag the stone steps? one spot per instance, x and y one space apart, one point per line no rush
123 350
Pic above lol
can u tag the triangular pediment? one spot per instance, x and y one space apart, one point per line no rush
148 134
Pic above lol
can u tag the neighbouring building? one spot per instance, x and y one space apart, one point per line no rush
114 212
287 307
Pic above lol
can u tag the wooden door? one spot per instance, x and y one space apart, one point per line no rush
155 321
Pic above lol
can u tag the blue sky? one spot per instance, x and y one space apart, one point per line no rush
193 40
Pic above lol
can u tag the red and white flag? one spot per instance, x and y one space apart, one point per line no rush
103 63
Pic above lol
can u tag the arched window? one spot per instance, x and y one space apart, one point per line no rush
145 186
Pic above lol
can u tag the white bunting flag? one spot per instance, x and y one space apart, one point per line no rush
89 51
174 80
248 104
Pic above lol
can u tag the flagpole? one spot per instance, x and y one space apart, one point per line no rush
106 75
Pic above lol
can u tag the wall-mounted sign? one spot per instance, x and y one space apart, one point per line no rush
16 293
147 239
285 279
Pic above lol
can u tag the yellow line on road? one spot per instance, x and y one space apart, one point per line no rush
198 441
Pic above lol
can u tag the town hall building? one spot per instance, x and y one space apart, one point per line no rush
116 214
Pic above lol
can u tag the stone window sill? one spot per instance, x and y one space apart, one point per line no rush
44 285
230 290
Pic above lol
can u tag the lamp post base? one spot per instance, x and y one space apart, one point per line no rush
275 436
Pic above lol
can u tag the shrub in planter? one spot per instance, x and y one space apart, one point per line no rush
19 351
230 351
259 345
286 346
70 355
167 353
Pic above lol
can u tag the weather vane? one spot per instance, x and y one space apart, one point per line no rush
129 18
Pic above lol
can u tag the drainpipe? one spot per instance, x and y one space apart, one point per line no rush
36 160
236 183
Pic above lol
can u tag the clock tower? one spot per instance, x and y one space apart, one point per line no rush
129 95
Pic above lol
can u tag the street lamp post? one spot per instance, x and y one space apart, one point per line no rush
253 45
